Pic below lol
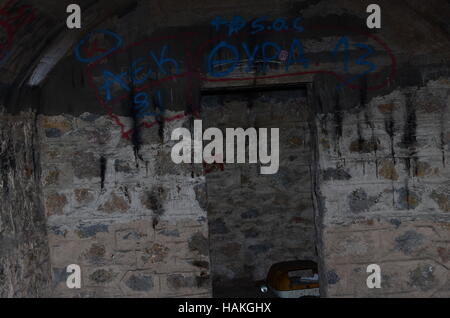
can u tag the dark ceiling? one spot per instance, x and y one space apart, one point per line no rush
420 26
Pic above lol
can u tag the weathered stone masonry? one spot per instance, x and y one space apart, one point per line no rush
74 191
384 193
24 252
129 228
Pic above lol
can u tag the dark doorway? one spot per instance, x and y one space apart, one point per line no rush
256 220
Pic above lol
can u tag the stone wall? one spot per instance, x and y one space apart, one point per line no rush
374 168
383 189
130 218
24 252
137 224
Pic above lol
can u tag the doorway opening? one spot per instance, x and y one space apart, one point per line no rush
258 220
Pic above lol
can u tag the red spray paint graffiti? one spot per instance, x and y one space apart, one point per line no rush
13 18
193 71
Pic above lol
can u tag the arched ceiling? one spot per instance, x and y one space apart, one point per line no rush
32 46
42 36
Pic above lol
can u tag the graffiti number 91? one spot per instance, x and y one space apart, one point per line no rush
141 105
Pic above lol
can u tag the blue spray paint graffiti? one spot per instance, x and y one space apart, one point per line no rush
118 44
212 62
266 59
296 58
142 105
164 60
223 56
342 42
137 74
238 23
360 60
109 79
295 55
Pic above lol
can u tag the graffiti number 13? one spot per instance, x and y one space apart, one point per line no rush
361 60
